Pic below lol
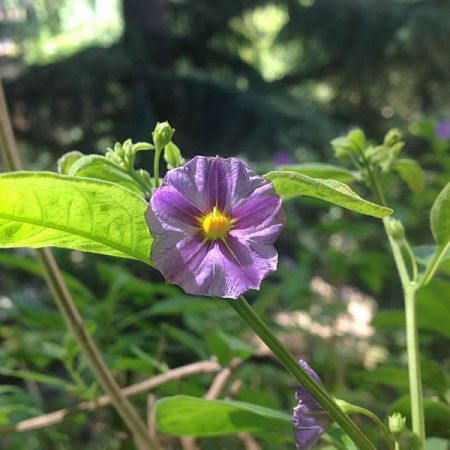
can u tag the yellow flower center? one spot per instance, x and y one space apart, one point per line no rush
216 225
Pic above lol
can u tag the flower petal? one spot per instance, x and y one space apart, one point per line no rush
308 417
174 208
262 209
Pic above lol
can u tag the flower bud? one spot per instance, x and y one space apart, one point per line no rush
396 229
341 147
396 424
162 134
392 137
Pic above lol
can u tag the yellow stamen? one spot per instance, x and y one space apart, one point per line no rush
216 225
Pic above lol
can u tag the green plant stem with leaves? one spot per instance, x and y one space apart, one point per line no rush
250 317
68 309
397 241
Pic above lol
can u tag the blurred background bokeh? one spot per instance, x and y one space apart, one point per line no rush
270 81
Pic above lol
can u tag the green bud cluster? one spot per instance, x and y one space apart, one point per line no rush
385 155
124 154
351 145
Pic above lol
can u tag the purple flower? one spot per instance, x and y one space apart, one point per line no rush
213 223
442 130
309 418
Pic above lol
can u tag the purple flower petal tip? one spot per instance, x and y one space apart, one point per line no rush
214 222
309 419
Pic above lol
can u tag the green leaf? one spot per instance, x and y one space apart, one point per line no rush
40 209
321 170
291 184
172 156
101 168
226 347
190 416
440 219
411 172
440 226
67 161
38 378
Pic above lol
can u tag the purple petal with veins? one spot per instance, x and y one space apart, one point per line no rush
309 419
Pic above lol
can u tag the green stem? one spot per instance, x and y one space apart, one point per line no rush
354 409
412 258
433 265
291 364
412 340
156 166
68 309
415 379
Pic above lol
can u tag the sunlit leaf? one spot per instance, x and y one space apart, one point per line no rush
101 168
322 170
39 209
290 184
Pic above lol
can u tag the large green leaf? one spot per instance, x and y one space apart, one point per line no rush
40 209
322 170
191 416
291 184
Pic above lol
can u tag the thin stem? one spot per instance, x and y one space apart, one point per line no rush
412 258
156 166
415 380
433 265
365 412
412 339
290 363
68 309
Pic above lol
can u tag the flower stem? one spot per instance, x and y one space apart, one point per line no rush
68 309
156 166
249 316
354 409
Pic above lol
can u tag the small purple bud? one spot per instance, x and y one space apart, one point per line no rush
309 418
442 130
